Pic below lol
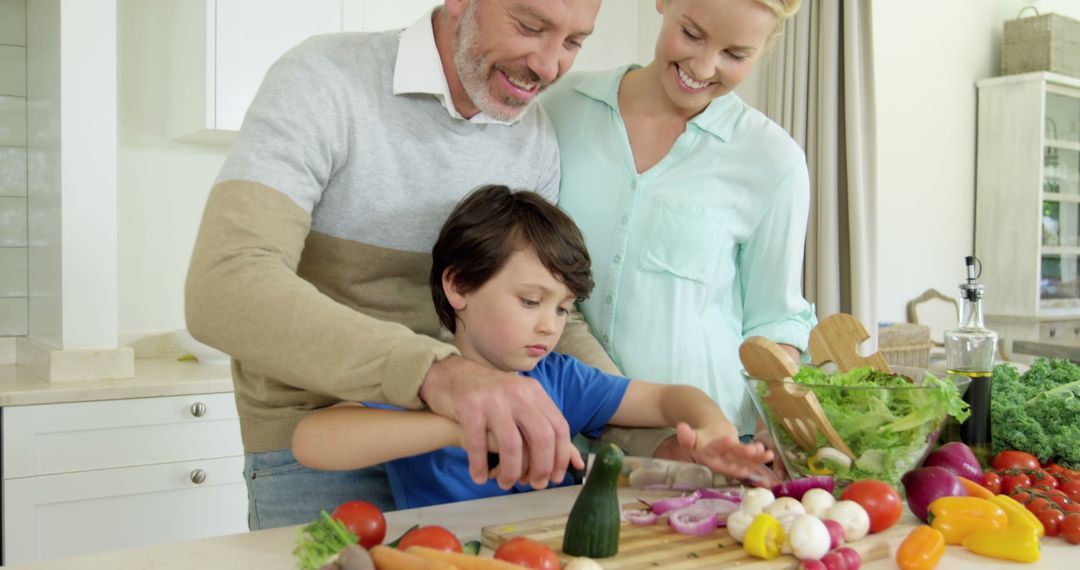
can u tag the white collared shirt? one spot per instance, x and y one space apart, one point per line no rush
419 69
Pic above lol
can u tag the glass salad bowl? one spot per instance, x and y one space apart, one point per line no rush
888 422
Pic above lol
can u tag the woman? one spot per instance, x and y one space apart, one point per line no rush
693 204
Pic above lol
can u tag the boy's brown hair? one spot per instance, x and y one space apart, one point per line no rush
492 223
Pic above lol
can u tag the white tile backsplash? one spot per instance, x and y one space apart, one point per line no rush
13 317
12 171
13 71
12 121
13 22
13 271
12 222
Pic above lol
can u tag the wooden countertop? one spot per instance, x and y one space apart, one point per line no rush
153 377
272 549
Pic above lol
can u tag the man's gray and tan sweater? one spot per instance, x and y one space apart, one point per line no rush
311 264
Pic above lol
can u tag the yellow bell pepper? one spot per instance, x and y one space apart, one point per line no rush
764 537
968 507
921 550
1012 543
1018 514
957 526
957 517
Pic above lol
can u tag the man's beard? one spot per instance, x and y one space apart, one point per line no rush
474 76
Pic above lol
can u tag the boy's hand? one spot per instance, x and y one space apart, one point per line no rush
724 454
530 432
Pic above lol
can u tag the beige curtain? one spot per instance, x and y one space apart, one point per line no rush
818 84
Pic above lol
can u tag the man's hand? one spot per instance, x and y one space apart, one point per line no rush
724 454
532 436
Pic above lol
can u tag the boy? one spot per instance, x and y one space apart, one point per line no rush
506 269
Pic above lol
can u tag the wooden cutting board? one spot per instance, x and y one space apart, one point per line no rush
658 546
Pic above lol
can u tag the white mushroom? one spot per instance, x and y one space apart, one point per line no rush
756 500
737 523
817 501
784 507
852 517
808 538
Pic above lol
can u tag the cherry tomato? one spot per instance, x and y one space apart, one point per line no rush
1071 507
1058 497
1021 497
1037 505
363 519
1014 460
1070 529
528 553
992 482
1051 520
879 499
1071 490
1040 477
1011 483
435 537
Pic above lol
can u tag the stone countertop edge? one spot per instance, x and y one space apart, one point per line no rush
153 377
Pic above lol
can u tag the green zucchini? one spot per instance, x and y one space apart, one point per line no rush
592 529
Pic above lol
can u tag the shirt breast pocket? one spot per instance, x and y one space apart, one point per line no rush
684 240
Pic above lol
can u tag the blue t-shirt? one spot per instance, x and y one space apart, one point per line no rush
587 397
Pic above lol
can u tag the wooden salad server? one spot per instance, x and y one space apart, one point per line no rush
837 338
795 406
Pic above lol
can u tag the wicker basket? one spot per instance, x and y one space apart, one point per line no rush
1048 42
905 344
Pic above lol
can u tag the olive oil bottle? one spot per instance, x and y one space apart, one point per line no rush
969 351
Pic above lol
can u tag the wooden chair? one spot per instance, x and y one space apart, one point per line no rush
935 310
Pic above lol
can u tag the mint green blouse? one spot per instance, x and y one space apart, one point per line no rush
694 255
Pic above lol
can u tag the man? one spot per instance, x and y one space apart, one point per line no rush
310 267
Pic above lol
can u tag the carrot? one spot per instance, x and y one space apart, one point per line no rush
464 561
974 489
387 558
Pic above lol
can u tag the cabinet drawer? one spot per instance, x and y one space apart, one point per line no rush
82 436
1059 330
52 516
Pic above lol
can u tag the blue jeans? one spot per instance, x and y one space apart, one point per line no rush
282 492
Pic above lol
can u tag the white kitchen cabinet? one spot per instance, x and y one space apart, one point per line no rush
92 476
1027 206
221 49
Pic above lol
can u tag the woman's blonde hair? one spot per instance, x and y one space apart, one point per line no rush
783 9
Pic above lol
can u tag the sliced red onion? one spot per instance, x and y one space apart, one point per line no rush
640 517
719 506
693 521
661 506
718 494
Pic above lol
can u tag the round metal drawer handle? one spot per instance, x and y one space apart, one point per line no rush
198 409
198 476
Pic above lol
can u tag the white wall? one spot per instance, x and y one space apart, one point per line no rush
163 184
927 56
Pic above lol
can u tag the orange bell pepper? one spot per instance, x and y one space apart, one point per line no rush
1018 514
1017 543
974 489
921 550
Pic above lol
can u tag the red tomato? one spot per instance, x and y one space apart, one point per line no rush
1011 483
435 537
1071 507
1070 529
363 519
992 482
879 499
1014 460
528 553
1051 520
1038 505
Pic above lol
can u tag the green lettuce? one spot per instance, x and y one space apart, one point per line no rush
885 419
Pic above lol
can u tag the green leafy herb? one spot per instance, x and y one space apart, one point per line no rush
471 547
319 541
1038 411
